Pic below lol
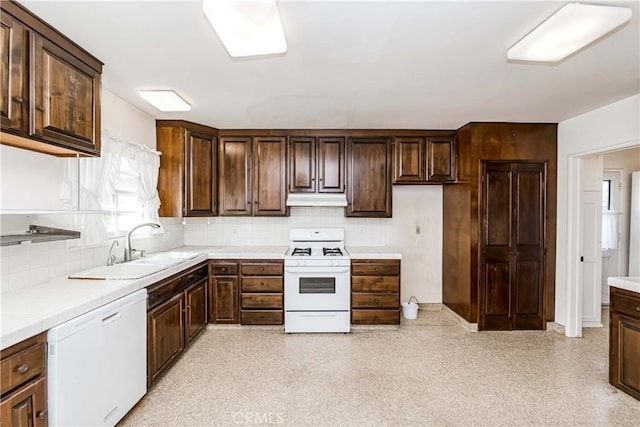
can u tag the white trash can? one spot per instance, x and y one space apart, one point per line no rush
410 309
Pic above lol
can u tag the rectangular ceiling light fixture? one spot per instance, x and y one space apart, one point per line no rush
247 27
570 29
165 100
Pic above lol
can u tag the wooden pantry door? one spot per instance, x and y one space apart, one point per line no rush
512 245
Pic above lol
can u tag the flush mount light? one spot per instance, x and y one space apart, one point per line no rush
247 27
165 100
570 29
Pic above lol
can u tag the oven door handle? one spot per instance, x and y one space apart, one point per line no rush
320 271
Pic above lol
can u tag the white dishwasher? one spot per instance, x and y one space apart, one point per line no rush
97 365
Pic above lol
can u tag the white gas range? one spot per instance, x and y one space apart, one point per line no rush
317 282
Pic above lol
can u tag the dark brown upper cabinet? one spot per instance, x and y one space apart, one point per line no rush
50 98
252 176
316 165
424 160
442 159
187 181
369 164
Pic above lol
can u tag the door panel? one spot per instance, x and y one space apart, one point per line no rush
201 175
497 205
528 207
331 165
224 296
235 156
512 287
196 310
14 95
302 178
369 185
591 245
409 165
269 187
527 291
497 289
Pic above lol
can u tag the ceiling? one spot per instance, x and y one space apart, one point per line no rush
352 65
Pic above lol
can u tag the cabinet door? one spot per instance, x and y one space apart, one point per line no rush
302 164
235 161
14 95
512 239
165 335
624 353
331 165
27 407
224 299
201 175
196 310
269 186
410 162
66 98
369 177
442 159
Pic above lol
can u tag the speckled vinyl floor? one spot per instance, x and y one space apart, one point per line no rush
426 372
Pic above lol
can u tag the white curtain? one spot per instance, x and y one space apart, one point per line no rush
609 230
99 178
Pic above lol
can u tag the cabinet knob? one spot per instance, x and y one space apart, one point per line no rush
43 414
224 268
18 99
23 368
638 308
40 107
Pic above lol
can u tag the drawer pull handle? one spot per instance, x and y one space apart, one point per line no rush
43 415
23 368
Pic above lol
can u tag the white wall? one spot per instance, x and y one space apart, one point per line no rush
612 127
412 205
26 265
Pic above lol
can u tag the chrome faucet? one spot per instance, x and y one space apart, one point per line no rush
128 251
111 259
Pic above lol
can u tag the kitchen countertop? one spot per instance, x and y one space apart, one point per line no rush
373 252
629 283
29 311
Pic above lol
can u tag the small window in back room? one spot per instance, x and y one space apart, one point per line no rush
606 195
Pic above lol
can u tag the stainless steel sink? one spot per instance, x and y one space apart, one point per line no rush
137 269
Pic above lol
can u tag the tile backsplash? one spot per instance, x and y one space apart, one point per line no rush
26 265
260 231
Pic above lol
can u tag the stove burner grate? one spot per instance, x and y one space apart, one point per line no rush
332 252
301 252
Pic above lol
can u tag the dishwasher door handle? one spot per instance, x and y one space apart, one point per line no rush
112 318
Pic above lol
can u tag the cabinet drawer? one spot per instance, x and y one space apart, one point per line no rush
375 269
626 304
22 366
262 317
375 300
262 301
223 268
262 284
262 269
375 284
375 317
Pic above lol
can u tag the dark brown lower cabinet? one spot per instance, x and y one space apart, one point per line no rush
24 384
375 292
223 291
177 315
262 292
624 341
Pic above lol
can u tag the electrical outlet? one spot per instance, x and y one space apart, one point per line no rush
417 229
234 230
